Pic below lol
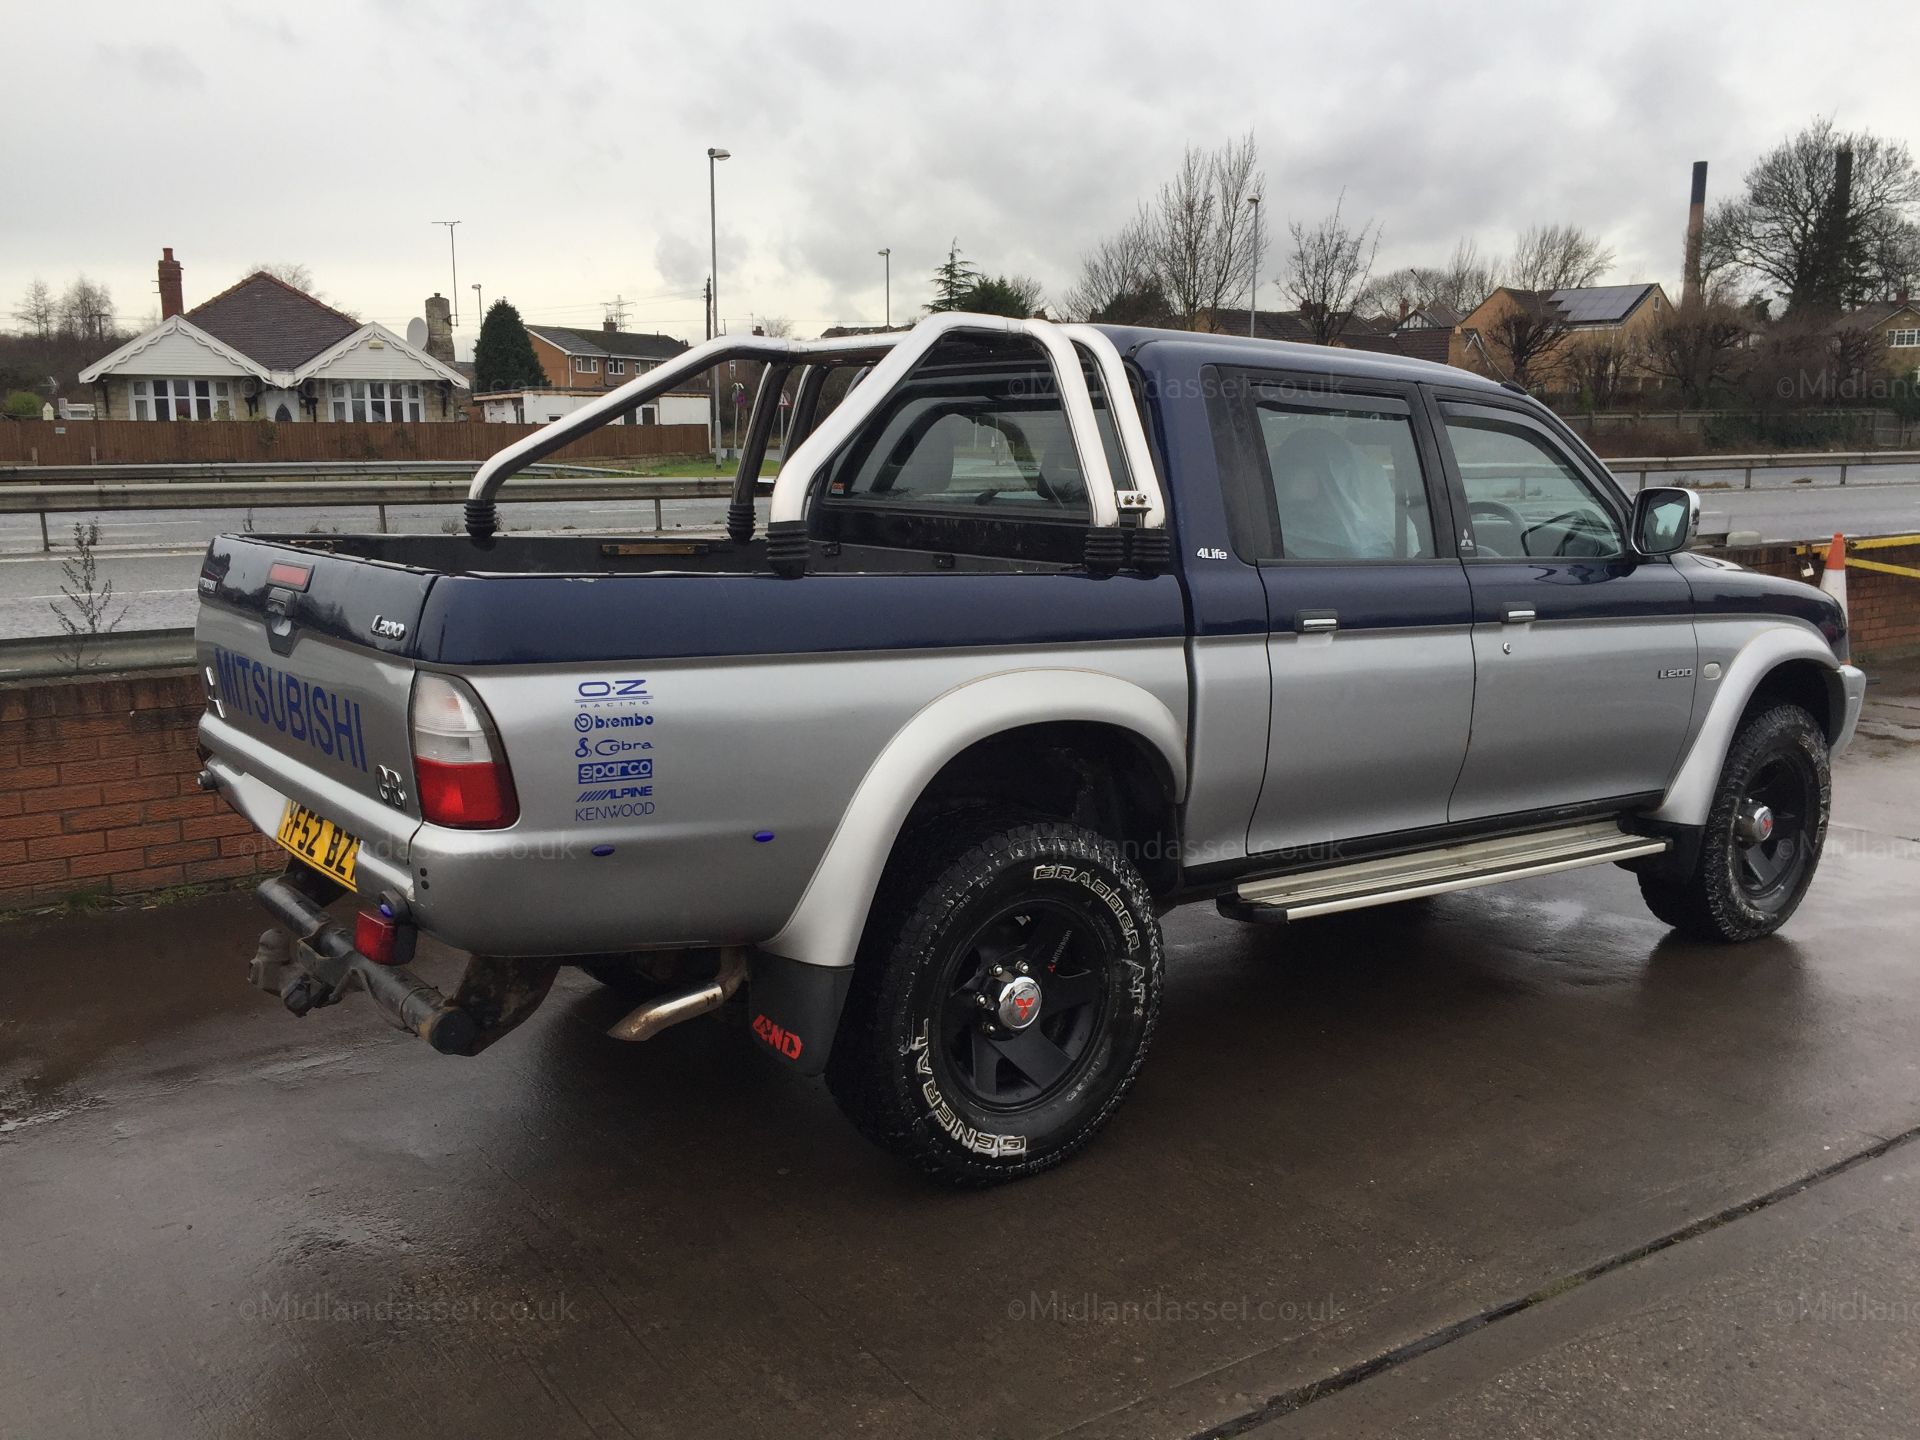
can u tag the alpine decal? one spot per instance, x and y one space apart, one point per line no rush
299 709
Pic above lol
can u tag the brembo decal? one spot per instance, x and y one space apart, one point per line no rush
608 746
981 1142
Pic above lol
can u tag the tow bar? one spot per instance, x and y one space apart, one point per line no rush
314 962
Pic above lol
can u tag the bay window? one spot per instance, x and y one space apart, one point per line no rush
383 400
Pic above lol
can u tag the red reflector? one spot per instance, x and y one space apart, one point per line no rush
373 936
294 577
467 797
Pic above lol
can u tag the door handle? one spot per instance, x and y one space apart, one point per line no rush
1316 622
1518 614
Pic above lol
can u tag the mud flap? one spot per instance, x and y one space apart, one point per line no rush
794 1009
499 992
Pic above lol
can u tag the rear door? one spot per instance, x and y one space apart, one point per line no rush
1585 654
1340 504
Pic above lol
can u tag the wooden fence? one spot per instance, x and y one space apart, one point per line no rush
134 442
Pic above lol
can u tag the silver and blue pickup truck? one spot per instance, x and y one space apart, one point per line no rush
1041 631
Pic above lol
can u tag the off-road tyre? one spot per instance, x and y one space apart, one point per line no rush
1779 752
971 892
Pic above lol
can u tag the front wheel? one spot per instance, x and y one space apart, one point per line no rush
1763 836
1003 1001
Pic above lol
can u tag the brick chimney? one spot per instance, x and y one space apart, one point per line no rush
610 325
170 302
1690 291
439 328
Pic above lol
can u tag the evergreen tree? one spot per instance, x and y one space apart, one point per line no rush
953 282
503 358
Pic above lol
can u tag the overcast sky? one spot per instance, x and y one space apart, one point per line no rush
570 139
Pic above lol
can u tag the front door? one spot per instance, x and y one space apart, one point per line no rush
1368 614
1585 654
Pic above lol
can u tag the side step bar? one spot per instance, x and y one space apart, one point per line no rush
1433 872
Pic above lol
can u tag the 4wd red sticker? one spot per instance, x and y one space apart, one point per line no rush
778 1036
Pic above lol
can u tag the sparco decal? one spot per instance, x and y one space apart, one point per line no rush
297 708
981 1142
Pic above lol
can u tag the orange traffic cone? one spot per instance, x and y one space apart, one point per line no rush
1833 579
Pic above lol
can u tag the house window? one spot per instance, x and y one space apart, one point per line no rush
385 400
182 400
586 364
616 367
1898 339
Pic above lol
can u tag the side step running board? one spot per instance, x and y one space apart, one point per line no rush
1433 872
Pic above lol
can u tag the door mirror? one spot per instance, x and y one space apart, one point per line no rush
1665 519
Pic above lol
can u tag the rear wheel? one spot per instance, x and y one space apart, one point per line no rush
1003 1001
1763 836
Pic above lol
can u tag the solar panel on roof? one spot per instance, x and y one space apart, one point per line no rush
1598 304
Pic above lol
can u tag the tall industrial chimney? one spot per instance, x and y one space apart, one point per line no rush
439 344
171 303
1696 228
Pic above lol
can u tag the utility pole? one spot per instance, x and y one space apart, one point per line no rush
455 259
887 256
1253 283
715 154
617 309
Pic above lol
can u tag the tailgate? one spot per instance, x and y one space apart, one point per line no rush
308 654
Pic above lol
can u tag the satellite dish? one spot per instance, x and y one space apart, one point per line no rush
417 333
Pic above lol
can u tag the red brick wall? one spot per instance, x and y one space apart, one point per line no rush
97 792
1883 611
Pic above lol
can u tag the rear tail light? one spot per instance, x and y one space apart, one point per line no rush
374 935
458 763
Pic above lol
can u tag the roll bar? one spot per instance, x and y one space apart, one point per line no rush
895 355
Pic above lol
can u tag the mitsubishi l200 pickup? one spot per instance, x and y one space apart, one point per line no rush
1050 628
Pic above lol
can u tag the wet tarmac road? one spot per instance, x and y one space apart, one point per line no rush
1350 1136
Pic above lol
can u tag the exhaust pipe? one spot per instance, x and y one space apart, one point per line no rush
650 1019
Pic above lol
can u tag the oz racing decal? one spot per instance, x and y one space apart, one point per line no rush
981 1142
614 772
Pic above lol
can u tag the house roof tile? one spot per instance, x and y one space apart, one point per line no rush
582 341
272 322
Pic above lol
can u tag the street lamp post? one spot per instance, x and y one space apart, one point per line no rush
455 259
715 154
886 255
1253 282
479 304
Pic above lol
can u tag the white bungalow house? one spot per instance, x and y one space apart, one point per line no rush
264 350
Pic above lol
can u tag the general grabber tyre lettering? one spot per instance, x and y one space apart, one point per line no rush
1763 836
1003 1000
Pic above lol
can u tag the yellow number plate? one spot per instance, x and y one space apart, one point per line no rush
321 843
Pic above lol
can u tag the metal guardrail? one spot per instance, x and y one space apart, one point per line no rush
1844 460
296 489
33 657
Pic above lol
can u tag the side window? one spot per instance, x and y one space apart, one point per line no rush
1347 483
978 430
1524 498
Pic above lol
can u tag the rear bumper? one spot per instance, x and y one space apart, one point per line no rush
325 966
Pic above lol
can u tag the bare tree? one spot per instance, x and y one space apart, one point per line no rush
1460 283
1788 231
1121 265
778 326
1189 249
1523 340
1202 228
85 311
1547 258
37 310
1600 367
1328 269
1699 346
287 272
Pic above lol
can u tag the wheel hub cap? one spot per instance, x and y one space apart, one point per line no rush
1019 1003
1755 825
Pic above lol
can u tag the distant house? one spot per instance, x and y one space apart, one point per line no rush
1894 323
264 350
1621 316
581 365
580 359
1291 325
